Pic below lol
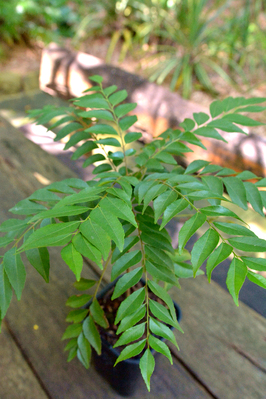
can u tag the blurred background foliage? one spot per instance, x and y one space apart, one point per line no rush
181 43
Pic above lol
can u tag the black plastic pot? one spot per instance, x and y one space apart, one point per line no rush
124 376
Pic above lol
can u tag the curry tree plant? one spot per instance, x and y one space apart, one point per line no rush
118 220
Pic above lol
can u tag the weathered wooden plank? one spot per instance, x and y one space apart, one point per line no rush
38 320
17 380
223 344
65 73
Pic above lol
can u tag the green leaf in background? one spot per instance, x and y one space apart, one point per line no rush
85 148
257 279
88 101
126 261
98 314
130 351
15 271
97 236
147 365
51 235
195 166
127 281
73 259
189 228
99 114
258 264
39 259
110 223
109 142
130 320
130 304
92 159
13 224
91 334
235 278
6 291
248 244
84 350
84 284
67 129
102 129
236 191
78 301
131 334
87 249
159 346
203 248
220 254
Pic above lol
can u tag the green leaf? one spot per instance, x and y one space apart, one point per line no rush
72 331
162 294
246 175
225 126
161 272
5 291
216 108
257 279
213 211
147 365
219 255
207 131
67 129
189 228
5 240
84 284
89 101
126 261
254 197
203 248
162 330
96 78
165 157
39 259
236 191
84 350
233 229
13 224
131 350
77 301
258 264
92 159
87 194
87 249
111 225
120 194
160 312
235 278
97 236
157 239
131 334
109 142
15 271
172 210
124 109
159 346
76 316
195 166
99 114
130 241
126 122
248 244
130 320
162 202
109 90
188 124
51 235
58 212
117 97
201 118
127 281
132 137
130 304
44 195
98 314
215 184
185 270
241 120
102 129
73 259
119 208
153 192
102 168
91 334
85 148
27 207
159 256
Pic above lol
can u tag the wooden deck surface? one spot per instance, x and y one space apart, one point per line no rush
223 350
